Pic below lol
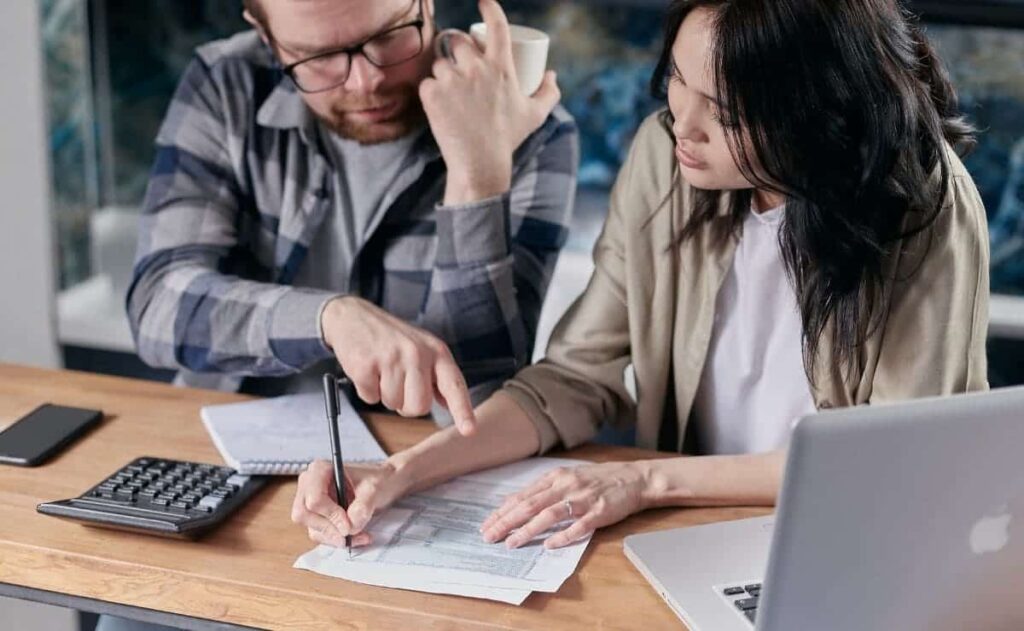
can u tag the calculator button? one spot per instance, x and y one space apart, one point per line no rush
237 481
125 494
179 507
160 501
211 502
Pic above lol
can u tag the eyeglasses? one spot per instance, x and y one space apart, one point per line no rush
329 69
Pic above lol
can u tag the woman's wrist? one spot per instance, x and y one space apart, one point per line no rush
661 483
403 467
749 480
427 462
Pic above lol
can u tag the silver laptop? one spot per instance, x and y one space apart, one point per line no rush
893 517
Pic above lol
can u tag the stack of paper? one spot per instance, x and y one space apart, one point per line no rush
431 542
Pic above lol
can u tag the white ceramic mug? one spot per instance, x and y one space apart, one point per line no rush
529 52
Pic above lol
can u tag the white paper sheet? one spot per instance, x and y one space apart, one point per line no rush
431 542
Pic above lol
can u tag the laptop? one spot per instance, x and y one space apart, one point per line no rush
905 517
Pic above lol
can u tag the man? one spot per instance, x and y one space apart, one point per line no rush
327 192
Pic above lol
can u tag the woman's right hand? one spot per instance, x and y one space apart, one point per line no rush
370 488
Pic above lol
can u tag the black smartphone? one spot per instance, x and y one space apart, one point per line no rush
41 433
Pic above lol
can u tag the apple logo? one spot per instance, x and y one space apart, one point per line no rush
992 532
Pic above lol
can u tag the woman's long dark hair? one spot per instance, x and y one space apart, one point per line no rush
847 112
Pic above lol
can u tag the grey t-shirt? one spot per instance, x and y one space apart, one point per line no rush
364 175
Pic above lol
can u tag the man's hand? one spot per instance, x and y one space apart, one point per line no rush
369 488
392 362
478 113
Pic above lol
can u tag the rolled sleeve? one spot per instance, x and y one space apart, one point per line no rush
473 234
546 432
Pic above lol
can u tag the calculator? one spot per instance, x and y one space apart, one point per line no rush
160 497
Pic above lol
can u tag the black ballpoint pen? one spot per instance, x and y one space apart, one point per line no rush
331 401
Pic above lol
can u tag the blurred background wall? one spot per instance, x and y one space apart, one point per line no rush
27 254
111 66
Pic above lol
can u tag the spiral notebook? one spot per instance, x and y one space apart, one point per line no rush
281 436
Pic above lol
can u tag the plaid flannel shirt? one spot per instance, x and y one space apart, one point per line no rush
238 191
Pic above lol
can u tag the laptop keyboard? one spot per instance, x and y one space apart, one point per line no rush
744 598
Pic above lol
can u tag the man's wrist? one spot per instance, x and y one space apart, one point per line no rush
330 315
321 320
469 185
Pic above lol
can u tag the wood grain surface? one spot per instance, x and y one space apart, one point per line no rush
242 572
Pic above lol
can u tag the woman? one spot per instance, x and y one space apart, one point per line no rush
795 232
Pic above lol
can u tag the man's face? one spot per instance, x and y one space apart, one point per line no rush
374 104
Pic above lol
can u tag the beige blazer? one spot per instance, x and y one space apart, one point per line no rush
652 306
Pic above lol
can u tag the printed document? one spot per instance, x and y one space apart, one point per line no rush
431 542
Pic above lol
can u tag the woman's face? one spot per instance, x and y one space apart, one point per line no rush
702 145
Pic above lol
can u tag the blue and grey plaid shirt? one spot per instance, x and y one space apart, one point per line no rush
239 189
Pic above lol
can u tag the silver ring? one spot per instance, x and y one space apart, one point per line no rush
568 508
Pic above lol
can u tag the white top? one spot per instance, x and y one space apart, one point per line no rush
753 387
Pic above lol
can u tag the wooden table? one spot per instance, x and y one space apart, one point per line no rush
241 574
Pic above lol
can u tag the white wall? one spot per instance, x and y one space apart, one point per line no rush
27 252
30 616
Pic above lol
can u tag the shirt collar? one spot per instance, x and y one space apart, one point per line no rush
285 109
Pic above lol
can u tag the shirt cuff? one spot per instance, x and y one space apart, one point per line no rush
473 234
296 334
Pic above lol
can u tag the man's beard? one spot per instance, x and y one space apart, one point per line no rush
409 118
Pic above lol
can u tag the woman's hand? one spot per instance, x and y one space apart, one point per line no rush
599 495
370 488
